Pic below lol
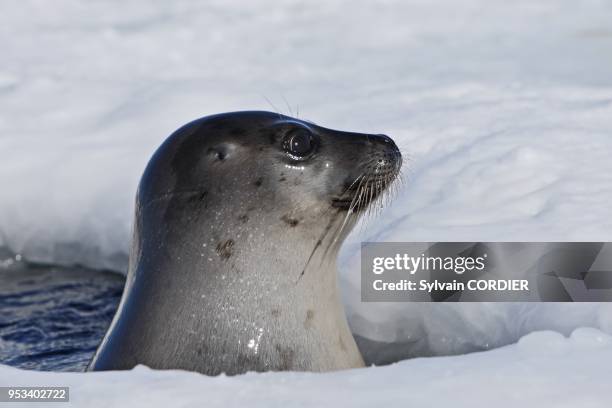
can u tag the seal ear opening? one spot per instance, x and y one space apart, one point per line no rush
220 152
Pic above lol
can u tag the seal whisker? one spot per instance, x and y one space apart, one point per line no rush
362 196
350 212
317 245
288 106
327 229
280 116
360 204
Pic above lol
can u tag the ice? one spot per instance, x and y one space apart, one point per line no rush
545 369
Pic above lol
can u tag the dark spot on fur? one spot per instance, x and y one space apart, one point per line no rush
258 182
197 197
225 249
275 312
247 362
282 178
202 349
286 357
308 321
243 218
289 220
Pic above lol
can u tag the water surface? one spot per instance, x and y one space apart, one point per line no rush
53 318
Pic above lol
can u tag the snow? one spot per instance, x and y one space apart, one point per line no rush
545 369
502 110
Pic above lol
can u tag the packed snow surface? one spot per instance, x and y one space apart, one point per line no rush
544 369
503 111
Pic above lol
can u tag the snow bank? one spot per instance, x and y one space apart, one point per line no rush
503 111
544 369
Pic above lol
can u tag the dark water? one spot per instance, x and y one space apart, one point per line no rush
54 318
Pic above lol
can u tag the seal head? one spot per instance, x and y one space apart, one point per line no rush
239 217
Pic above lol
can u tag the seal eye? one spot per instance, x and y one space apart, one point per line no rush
299 143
